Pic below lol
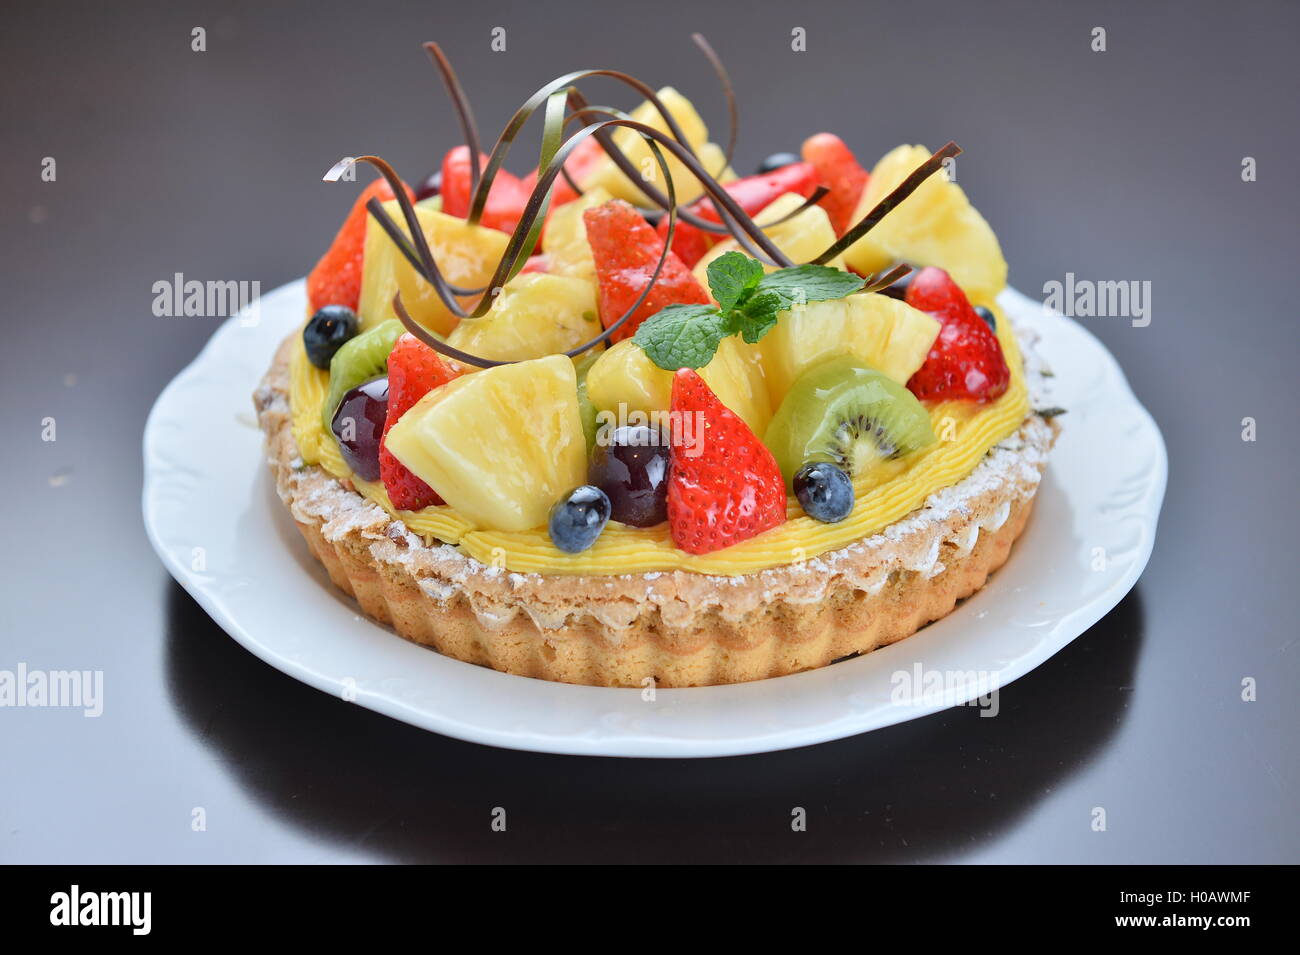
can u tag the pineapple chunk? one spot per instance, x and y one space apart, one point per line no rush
535 315
935 225
887 334
608 176
736 376
565 239
714 161
466 254
802 238
625 377
501 445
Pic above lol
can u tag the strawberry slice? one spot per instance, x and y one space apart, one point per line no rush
336 279
625 249
753 194
966 361
837 170
689 242
724 485
414 369
505 202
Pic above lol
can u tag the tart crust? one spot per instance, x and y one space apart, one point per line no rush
676 628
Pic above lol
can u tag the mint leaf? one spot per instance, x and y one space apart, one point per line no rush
749 301
758 316
732 276
800 284
681 336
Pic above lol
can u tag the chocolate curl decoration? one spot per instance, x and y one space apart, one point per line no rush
728 91
554 154
878 281
464 113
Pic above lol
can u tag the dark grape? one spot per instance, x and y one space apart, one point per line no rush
777 161
824 491
987 315
430 186
358 425
578 518
631 467
332 327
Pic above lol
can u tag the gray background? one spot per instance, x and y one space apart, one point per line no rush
1122 165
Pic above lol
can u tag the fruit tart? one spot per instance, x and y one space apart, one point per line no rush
633 419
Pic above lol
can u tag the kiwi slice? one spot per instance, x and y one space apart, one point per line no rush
360 359
849 414
581 365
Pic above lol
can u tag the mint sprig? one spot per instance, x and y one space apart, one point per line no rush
749 301
682 336
733 278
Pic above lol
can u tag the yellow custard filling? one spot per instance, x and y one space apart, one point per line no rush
966 432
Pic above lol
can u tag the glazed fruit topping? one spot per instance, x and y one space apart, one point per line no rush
358 424
502 445
327 331
577 519
724 486
626 250
631 467
838 170
824 491
966 362
414 369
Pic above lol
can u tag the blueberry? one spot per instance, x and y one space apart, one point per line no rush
328 331
987 315
825 492
777 161
578 518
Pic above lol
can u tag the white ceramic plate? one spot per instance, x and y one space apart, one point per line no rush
211 511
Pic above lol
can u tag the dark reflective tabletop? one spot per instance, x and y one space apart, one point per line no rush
1116 165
